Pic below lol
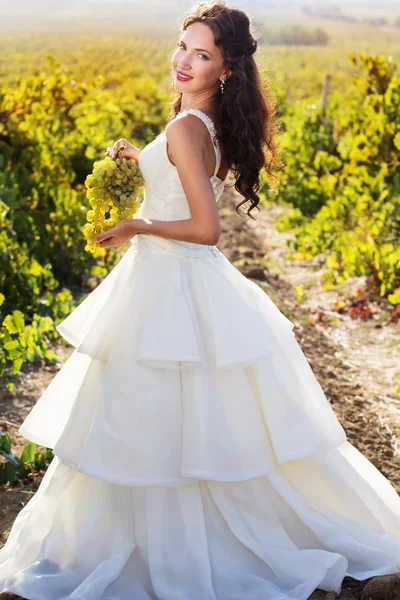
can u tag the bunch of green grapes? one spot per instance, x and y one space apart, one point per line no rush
112 188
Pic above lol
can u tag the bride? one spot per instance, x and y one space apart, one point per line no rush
196 455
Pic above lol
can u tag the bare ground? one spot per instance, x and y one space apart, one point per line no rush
356 361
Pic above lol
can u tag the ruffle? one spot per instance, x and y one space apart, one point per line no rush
174 313
132 425
183 370
269 537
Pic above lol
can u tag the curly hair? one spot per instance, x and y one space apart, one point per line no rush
247 114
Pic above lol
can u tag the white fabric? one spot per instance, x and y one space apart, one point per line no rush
197 456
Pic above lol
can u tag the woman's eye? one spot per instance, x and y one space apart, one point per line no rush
181 45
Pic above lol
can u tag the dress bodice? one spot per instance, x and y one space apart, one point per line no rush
164 197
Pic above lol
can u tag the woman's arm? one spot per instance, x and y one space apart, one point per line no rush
120 234
136 156
185 230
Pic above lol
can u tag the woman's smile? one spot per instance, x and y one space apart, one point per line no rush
182 76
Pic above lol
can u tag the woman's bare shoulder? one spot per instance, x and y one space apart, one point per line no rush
186 122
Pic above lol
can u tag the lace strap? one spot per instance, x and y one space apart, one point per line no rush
212 131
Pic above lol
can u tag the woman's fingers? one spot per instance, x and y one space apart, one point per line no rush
121 149
118 144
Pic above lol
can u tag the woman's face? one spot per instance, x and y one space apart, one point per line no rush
197 56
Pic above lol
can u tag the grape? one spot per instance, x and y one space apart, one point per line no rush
112 187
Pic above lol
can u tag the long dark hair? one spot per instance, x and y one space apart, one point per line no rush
247 113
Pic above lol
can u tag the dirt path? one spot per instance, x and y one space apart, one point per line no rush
354 361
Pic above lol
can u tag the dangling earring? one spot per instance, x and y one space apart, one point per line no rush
222 85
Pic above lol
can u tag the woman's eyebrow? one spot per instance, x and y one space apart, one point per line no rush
197 49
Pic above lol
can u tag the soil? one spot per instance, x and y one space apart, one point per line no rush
354 355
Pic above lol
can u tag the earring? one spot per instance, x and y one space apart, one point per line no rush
222 85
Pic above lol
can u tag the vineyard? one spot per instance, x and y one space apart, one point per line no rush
62 106
325 248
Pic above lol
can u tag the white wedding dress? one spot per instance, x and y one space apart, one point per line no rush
196 455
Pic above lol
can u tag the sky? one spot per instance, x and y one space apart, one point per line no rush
152 14
21 7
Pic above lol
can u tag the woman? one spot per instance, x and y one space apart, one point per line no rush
197 456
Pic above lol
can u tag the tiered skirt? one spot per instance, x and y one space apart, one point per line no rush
196 455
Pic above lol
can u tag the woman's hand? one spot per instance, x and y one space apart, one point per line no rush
128 151
118 235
